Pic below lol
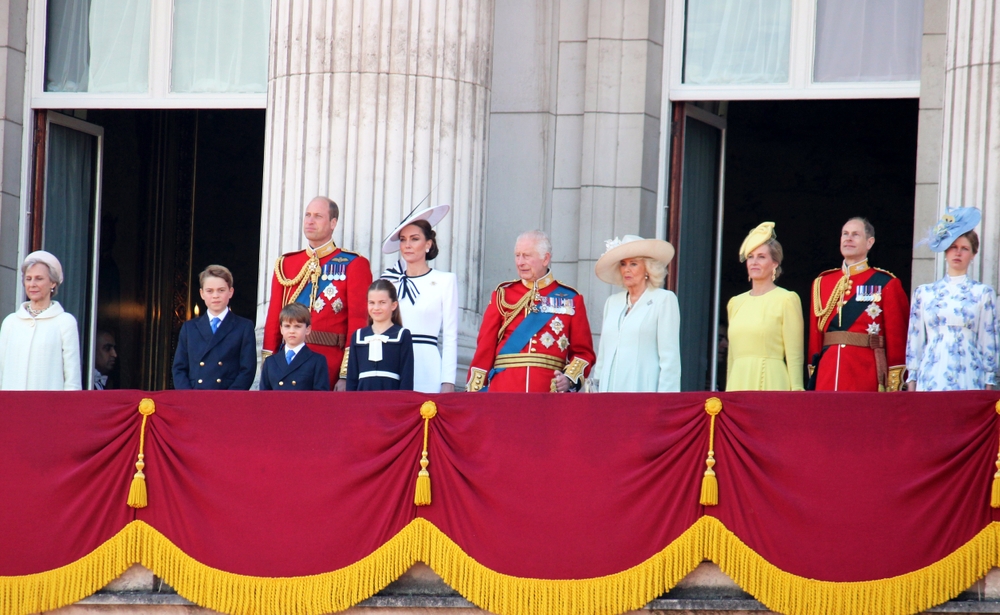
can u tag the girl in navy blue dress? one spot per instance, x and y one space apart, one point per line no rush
381 356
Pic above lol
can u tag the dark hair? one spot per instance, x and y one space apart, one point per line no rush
295 312
215 271
334 210
387 286
869 227
973 241
429 235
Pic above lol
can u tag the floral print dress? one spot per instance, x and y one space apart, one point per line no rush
952 340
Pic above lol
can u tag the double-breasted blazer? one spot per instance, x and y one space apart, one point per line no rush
226 359
307 372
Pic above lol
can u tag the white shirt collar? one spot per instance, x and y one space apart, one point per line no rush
100 380
221 315
294 349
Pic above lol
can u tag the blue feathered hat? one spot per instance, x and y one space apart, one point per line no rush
952 225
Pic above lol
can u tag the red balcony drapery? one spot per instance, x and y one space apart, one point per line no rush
277 502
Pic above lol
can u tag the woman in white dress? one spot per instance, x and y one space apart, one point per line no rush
952 340
428 300
39 343
640 338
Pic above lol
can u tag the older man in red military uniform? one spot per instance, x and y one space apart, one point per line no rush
857 332
331 282
535 335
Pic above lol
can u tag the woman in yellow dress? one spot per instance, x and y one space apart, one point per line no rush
765 323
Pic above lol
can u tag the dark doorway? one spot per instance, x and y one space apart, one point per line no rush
181 190
809 166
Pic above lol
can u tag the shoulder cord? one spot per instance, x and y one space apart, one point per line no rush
509 311
824 313
309 273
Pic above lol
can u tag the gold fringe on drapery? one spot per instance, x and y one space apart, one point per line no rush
503 594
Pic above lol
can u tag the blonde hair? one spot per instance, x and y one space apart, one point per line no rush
656 271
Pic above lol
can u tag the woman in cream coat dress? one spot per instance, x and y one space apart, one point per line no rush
640 338
39 343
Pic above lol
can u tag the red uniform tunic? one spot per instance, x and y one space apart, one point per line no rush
547 332
876 301
333 284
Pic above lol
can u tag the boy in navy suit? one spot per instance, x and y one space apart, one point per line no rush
217 350
295 367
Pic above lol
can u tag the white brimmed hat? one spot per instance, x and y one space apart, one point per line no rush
630 246
433 215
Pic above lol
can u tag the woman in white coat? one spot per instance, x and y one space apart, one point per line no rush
428 300
39 343
640 338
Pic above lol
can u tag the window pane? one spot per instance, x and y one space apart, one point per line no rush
97 46
737 41
220 46
868 40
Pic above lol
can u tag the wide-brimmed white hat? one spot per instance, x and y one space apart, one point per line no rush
433 215
630 246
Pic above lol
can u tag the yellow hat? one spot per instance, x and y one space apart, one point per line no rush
757 237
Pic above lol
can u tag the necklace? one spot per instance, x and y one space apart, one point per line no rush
35 313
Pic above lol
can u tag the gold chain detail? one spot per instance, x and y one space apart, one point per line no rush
309 273
838 293
509 311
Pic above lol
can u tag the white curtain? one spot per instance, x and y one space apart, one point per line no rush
868 40
220 46
737 41
67 46
69 202
119 46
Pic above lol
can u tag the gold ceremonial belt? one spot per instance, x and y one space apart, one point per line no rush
529 359
324 338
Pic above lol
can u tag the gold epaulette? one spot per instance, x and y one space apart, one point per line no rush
823 273
891 274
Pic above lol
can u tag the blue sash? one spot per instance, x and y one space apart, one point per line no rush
534 322
333 269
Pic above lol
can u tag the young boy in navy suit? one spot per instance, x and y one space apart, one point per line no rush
217 350
295 367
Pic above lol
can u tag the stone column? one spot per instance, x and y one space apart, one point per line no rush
378 105
970 147
13 37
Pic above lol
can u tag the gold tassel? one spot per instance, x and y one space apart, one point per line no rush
995 497
422 497
137 492
709 483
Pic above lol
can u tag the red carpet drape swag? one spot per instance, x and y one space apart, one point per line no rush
271 502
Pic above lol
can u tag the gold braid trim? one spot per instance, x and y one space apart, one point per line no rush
308 273
824 313
509 311
499 593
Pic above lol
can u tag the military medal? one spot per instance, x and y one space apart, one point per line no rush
874 310
873 329
557 325
547 340
337 306
319 304
563 343
330 291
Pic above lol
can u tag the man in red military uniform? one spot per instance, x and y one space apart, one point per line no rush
535 335
858 322
331 282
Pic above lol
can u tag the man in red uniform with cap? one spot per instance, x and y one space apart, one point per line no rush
535 336
857 326
331 282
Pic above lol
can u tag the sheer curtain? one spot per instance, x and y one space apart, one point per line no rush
220 46
737 41
868 40
69 198
119 46
67 46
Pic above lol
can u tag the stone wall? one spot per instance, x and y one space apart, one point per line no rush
13 43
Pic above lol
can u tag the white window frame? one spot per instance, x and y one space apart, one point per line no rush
800 84
159 95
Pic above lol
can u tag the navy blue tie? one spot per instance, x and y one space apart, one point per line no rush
215 324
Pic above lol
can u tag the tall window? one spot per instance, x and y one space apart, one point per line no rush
737 41
868 40
152 50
